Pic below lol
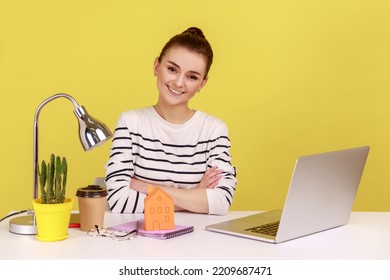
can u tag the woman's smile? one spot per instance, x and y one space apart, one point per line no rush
175 92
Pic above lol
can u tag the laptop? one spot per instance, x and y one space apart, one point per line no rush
320 197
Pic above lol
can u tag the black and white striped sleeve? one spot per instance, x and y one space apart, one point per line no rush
119 171
221 197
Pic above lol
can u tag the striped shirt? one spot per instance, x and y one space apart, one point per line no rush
148 148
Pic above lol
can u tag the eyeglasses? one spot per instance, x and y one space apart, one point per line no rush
115 235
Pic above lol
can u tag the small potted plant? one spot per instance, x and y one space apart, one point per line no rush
53 208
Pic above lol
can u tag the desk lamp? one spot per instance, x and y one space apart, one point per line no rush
92 133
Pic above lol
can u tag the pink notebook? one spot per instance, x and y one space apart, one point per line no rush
160 234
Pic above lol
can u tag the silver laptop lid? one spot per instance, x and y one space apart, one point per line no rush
322 192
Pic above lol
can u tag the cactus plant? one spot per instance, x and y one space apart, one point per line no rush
52 180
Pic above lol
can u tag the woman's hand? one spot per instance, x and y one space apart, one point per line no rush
139 186
210 179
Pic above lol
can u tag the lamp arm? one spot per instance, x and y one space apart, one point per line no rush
35 147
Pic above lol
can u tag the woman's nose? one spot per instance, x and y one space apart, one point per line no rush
179 80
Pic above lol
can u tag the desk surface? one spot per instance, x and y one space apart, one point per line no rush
366 236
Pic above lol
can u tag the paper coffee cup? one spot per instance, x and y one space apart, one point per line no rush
92 205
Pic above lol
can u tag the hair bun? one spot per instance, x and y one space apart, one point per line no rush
195 31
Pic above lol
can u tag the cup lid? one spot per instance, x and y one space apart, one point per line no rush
93 191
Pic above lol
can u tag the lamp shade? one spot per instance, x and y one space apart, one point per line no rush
92 132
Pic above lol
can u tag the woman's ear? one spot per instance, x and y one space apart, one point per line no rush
155 66
204 82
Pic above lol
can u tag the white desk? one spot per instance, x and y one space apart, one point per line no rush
366 236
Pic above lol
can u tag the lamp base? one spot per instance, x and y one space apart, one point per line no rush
25 225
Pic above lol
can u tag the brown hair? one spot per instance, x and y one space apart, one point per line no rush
194 40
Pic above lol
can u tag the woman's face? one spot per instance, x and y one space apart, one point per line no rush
180 74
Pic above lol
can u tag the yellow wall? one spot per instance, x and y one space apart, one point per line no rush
289 78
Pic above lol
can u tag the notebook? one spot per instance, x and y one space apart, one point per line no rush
160 234
320 197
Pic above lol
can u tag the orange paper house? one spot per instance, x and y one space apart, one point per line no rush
159 210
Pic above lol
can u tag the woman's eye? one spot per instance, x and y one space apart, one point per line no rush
192 77
171 69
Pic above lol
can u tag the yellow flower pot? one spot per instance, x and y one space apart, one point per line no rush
52 219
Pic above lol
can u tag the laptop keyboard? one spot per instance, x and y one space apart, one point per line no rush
268 229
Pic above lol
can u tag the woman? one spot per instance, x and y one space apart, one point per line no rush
184 151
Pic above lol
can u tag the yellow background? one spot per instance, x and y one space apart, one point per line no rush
289 78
